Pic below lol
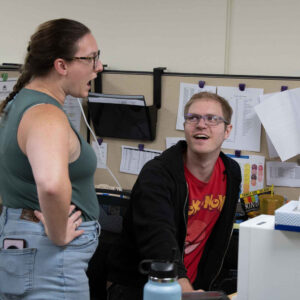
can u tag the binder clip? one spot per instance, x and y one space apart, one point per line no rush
237 153
201 84
242 86
100 140
283 88
141 147
4 76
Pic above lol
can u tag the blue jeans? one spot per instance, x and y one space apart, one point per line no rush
43 270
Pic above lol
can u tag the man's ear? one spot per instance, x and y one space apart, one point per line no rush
61 66
228 129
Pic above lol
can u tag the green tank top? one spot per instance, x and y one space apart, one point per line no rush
17 185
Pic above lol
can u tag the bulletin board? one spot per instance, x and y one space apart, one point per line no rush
141 83
131 83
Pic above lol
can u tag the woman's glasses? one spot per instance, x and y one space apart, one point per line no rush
94 59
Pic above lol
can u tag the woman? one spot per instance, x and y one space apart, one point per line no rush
46 170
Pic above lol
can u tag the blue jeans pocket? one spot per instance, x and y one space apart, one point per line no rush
83 242
16 270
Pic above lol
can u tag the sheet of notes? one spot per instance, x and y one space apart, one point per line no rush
6 86
280 116
246 126
101 153
72 109
133 159
246 131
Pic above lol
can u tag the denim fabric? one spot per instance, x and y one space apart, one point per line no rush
43 270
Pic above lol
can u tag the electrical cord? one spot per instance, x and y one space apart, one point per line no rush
94 136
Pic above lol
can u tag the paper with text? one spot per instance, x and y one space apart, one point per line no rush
253 169
72 109
280 116
246 127
271 149
101 153
283 174
187 90
6 87
134 159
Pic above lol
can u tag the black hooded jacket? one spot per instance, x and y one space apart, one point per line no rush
156 221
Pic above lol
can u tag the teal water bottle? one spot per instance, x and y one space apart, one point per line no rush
162 282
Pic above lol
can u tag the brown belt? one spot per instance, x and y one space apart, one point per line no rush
28 215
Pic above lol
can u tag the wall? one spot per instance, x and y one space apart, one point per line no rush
200 36
133 84
194 36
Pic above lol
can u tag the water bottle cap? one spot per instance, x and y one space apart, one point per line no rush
163 270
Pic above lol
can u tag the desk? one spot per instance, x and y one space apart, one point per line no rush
232 295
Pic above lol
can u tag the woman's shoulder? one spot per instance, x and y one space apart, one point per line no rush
42 113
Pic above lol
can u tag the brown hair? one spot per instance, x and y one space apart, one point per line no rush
226 108
53 39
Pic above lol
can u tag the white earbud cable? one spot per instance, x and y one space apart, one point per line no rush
94 136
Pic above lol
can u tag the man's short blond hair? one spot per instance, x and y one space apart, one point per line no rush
226 108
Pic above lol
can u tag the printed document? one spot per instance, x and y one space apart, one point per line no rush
252 168
246 131
283 173
280 116
6 87
271 149
72 109
187 90
101 153
133 159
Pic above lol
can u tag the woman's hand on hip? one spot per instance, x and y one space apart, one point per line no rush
74 221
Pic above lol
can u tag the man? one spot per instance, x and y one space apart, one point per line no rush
185 199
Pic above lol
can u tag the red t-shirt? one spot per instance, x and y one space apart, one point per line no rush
205 204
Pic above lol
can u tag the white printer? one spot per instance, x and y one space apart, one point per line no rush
269 261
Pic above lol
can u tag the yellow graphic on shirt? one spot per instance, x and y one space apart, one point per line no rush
208 203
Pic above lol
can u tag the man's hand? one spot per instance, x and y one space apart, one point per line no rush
186 286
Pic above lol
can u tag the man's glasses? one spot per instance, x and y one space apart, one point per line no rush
210 120
94 58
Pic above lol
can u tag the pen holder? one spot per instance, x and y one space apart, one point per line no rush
269 203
